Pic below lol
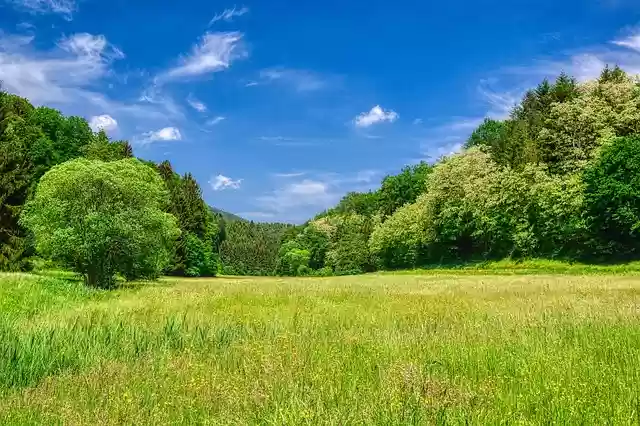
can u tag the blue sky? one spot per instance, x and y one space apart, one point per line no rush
278 107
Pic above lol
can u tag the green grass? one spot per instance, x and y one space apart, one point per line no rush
527 267
374 349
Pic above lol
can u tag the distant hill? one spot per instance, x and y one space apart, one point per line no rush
228 217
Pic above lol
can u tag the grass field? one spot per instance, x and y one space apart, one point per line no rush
374 349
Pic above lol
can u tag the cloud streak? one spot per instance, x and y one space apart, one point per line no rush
196 104
213 53
65 8
300 80
228 14
215 120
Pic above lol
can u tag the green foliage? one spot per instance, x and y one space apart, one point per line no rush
349 249
364 203
473 209
293 260
250 248
542 183
612 198
100 219
195 253
401 189
101 148
491 134
32 140
200 258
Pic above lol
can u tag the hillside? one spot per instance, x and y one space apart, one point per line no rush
229 217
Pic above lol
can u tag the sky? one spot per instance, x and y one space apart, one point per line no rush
279 108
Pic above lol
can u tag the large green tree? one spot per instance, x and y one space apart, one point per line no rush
612 198
196 251
103 218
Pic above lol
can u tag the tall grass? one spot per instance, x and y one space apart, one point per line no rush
527 267
375 349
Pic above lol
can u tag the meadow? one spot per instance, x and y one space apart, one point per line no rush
439 348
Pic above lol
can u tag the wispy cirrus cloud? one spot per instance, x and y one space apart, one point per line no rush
376 115
288 175
65 8
505 89
215 120
90 46
299 80
508 85
196 104
214 52
228 15
287 141
630 41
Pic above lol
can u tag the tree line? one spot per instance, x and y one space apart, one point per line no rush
557 179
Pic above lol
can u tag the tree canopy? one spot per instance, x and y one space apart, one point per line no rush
103 218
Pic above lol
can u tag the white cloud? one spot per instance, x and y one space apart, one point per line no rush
103 122
297 195
228 14
162 135
432 152
65 77
156 96
418 121
215 120
196 104
446 138
60 76
61 7
376 115
221 182
300 80
501 103
251 84
631 41
288 175
215 52
90 46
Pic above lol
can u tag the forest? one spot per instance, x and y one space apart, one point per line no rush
557 179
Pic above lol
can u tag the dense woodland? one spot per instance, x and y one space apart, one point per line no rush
557 179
